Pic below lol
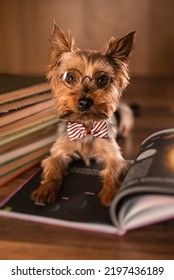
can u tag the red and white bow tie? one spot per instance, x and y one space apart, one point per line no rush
78 130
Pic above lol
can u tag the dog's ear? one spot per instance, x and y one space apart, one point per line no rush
60 42
121 48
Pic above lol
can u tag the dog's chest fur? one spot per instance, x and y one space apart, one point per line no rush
85 148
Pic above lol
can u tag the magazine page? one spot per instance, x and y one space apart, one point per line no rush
77 206
142 210
150 179
154 165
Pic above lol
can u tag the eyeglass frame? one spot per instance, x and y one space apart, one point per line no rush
110 79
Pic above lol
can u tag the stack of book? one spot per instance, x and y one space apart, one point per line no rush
27 123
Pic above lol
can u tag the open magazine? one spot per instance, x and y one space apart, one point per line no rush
146 195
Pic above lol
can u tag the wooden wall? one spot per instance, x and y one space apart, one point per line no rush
25 27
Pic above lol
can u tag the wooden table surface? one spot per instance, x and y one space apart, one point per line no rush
30 240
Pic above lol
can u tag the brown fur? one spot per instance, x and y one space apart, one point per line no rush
112 59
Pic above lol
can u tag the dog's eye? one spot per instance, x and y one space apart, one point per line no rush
69 78
102 80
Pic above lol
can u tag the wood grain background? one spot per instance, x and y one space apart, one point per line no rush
25 28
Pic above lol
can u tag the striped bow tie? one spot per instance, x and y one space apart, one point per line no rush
78 130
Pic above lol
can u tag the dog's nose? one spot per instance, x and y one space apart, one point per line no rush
85 104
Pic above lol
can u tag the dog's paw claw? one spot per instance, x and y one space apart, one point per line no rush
47 192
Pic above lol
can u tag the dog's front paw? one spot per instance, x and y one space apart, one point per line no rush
47 192
107 196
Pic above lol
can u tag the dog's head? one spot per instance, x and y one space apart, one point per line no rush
87 84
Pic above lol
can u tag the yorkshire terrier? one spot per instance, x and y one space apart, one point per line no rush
87 86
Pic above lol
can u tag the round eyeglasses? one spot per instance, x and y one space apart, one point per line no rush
73 77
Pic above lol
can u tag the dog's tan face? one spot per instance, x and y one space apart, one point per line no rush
87 85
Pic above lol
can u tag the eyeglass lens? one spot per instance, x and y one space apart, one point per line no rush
72 77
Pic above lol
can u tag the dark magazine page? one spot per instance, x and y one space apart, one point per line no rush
77 202
154 165
150 178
